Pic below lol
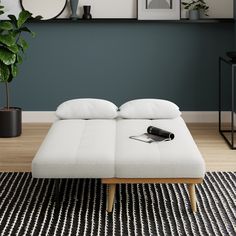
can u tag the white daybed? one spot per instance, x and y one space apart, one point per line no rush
101 148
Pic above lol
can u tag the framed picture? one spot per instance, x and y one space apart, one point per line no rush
158 9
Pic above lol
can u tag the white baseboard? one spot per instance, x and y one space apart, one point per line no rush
205 116
188 116
38 116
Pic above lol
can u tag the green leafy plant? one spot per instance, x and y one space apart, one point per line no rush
196 5
12 47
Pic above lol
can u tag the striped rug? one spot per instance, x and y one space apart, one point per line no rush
27 208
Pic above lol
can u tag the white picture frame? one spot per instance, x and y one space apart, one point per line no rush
159 9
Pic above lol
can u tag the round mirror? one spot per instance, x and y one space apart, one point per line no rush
48 9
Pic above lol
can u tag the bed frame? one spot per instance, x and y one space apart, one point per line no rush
191 182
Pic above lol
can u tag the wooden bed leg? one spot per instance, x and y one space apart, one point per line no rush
192 196
111 196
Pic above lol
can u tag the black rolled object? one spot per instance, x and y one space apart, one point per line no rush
160 132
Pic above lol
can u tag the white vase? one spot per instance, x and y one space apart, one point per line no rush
194 14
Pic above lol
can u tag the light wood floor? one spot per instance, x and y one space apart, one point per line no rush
16 154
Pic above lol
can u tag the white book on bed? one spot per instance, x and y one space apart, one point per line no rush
149 138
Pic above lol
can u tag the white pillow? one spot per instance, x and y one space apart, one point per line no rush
87 108
149 109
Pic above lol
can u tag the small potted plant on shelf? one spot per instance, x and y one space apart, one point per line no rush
12 48
195 8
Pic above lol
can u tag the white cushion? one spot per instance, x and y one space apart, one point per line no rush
87 108
149 109
77 149
179 158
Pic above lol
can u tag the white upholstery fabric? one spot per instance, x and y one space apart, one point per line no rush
149 109
103 149
87 108
179 158
77 149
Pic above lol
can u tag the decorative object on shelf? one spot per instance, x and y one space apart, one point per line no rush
232 56
87 15
159 9
195 8
74 7
45 8
194 15
12 48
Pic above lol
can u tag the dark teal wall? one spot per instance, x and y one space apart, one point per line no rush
123 61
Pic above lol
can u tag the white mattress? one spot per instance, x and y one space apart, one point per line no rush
77 149
179 158
103 149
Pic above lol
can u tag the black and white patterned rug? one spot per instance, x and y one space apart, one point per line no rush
27 208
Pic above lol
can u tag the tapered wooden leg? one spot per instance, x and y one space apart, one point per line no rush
111 196
192 196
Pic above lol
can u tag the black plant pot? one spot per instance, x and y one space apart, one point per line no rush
10 122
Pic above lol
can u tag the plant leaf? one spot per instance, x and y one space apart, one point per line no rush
6 25
23 44
14 70
26 29
14 48
19 59
13 19
10 78
23 17
15 33
4 72
7 39
7 57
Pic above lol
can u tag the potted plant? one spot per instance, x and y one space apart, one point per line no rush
12 48
195 7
